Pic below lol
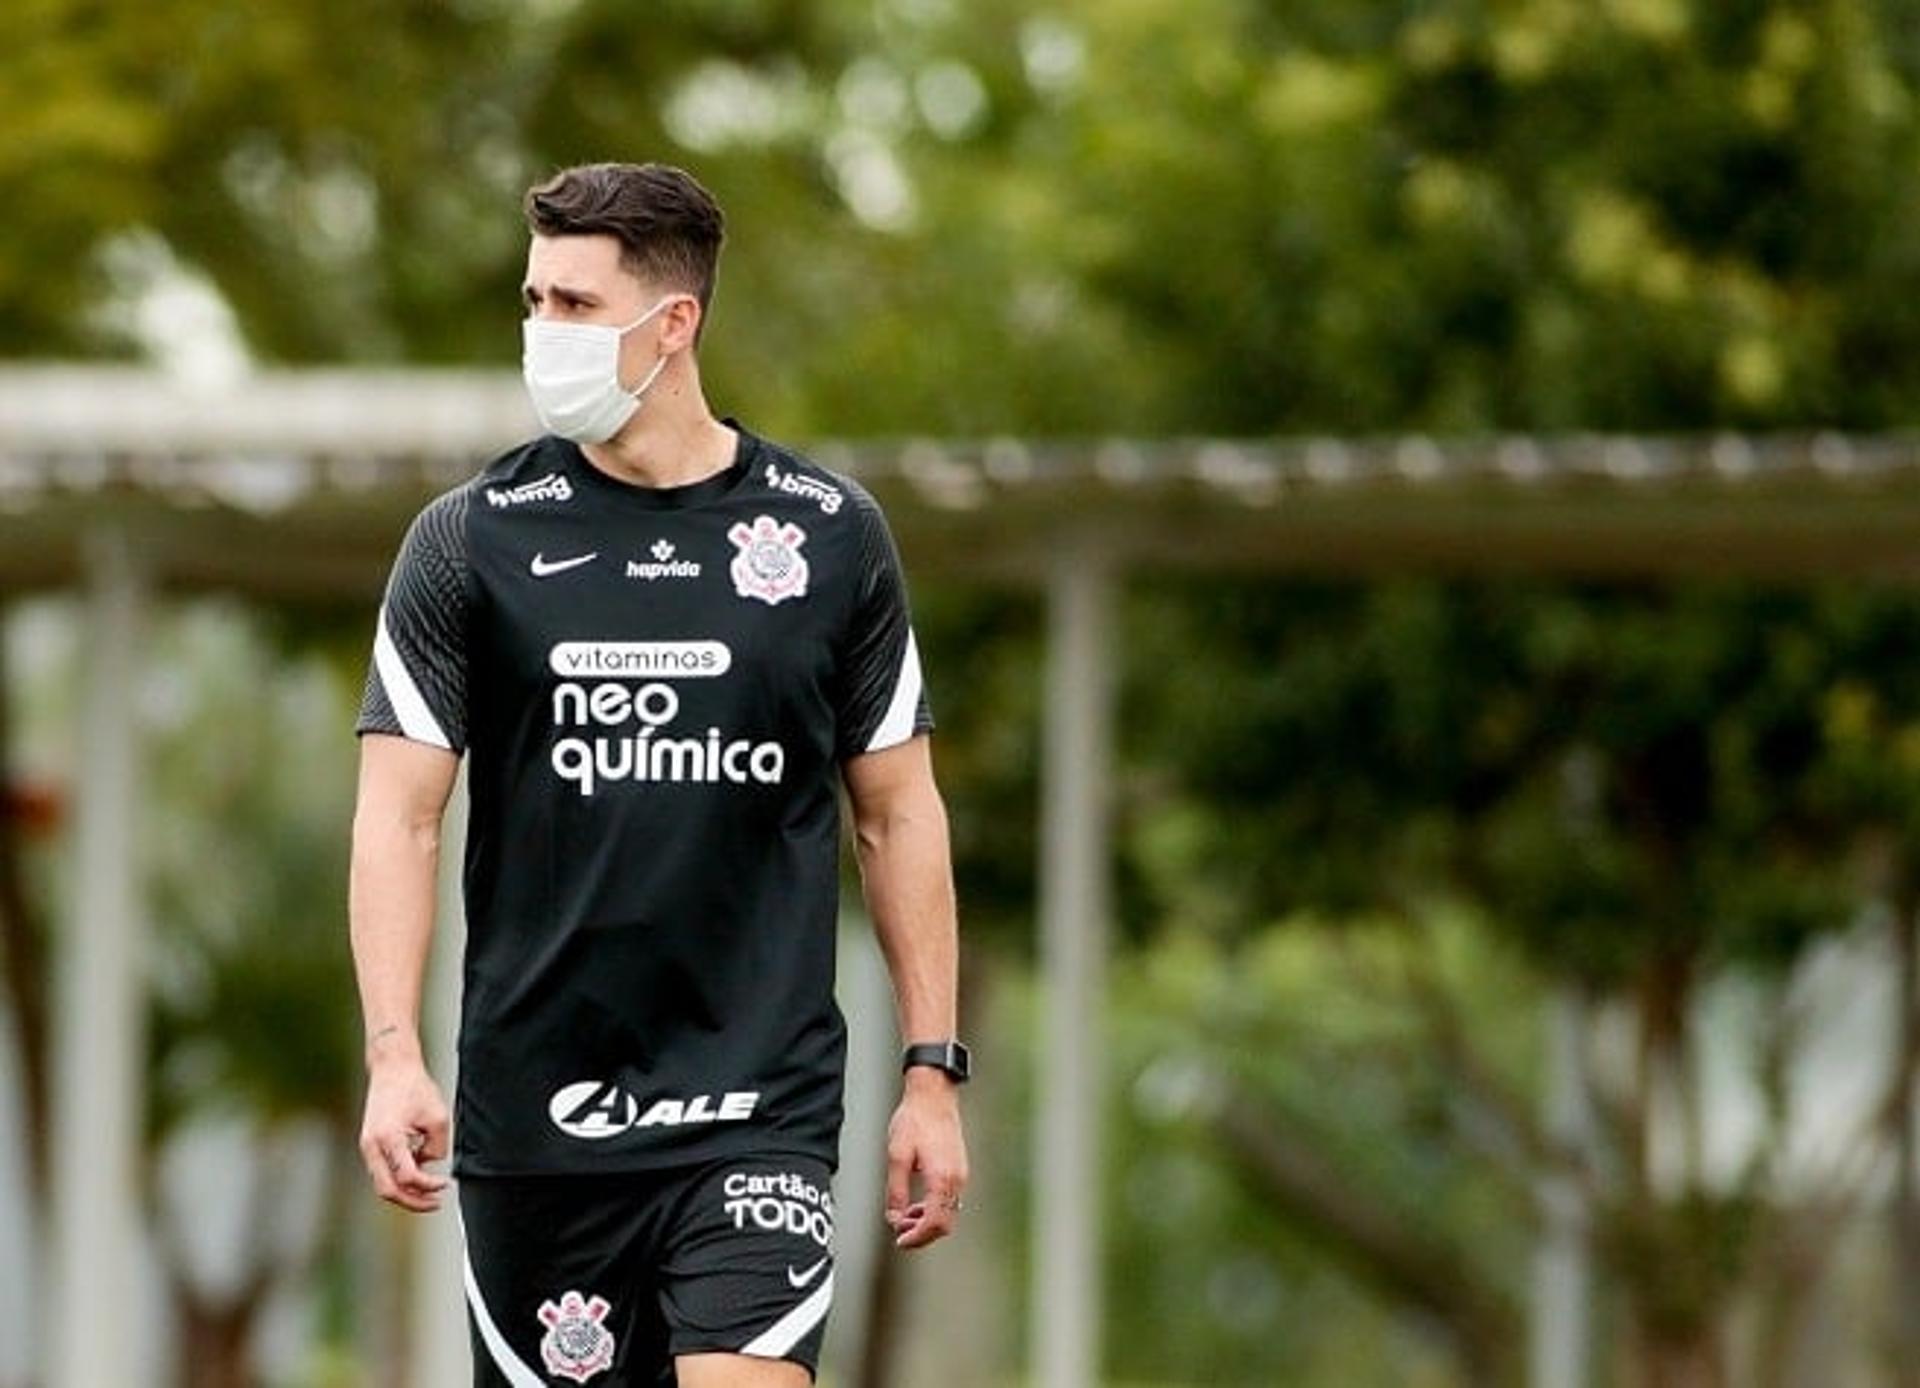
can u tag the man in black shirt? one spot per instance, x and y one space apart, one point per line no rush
663 644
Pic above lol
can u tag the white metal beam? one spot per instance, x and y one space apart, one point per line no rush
1074 903
1561 1333
95 1243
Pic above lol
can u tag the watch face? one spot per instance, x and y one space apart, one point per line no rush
959 1061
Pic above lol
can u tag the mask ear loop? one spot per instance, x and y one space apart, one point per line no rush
642 388
660 365
665 300
665 357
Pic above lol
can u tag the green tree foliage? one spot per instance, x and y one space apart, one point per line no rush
1624 771
1642 214
1644 791
301 157
253 1030
247 890
1166 215
1356 1240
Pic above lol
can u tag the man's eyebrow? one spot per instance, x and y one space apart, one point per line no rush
566 295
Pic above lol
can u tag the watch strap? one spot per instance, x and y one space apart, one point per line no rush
950 1057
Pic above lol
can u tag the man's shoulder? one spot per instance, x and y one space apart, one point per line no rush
525 475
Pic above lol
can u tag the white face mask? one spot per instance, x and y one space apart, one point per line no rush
572 372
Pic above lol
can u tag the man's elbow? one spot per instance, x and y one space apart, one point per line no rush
899 817
380 830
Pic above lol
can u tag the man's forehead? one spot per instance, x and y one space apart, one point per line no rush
588 260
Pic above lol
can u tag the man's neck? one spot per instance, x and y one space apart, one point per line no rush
672 441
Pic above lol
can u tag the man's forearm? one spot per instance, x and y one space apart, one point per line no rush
901 830
907 872
391 910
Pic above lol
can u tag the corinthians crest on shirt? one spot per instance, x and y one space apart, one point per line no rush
769 565
577 1344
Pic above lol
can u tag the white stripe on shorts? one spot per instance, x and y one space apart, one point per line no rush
792 1328
509 1363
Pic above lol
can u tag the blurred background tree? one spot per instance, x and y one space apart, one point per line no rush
1212 215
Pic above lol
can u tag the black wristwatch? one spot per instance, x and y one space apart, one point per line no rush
951 1058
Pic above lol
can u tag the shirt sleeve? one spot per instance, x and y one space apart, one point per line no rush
417 680
881 701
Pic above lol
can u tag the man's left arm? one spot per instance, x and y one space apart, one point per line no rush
900 829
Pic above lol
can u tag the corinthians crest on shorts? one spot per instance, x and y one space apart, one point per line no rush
769 565
577 1344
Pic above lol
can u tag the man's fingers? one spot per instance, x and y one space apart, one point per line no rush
931 1224
933 1159
941 1189
405 1125
397 1178
408 1175
899 1171
373 1156
387 1186
381 1177
933 1217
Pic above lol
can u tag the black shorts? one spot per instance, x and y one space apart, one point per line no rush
572 1279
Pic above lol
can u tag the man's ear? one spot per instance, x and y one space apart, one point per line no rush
682 326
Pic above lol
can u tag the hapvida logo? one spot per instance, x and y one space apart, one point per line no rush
663 565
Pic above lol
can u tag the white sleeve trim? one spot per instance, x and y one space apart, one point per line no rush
792 1328
897 726
509 1363
416 719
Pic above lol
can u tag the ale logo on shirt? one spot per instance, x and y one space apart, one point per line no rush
593 1109
769 565
597 1109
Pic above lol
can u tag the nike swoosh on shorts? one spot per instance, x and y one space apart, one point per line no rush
800 1279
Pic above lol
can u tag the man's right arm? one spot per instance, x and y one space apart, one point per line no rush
404 786
412 728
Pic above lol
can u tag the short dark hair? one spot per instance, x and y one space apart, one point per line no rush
668 226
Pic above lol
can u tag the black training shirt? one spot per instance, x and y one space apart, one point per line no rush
655 689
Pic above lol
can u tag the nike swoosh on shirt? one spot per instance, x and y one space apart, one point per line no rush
800 1279
541 566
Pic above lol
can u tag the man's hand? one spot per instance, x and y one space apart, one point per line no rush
405 1126
924 1140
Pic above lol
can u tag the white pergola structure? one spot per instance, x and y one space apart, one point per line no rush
296 486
